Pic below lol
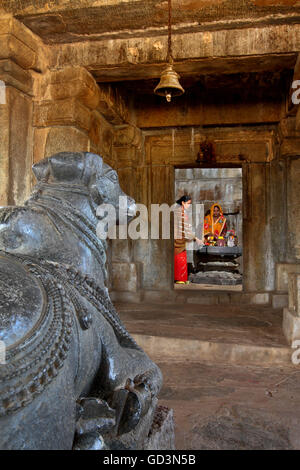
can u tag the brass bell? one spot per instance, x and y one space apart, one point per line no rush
169 84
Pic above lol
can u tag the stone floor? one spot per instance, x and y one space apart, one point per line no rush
213 287
226 406
228 375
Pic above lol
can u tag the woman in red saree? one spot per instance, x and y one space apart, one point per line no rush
215 223
182 234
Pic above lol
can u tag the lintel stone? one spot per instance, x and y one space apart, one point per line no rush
228 50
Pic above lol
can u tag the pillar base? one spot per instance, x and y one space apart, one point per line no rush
291 326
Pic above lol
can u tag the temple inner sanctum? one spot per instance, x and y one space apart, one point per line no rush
182 98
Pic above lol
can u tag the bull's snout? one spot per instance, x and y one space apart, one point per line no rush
131 208
127 204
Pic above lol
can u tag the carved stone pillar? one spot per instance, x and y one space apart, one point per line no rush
21 58
62 115
74 114
288 272
127 156
290 158
291 315
127 159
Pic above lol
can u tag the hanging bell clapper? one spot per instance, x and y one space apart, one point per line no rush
168 96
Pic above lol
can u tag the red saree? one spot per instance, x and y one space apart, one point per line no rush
180 267
182 233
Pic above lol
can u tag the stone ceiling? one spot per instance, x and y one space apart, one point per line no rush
56 22
222 53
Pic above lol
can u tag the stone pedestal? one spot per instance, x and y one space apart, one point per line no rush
161 436
217 265
291 326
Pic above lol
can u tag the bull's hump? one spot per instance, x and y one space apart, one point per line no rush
21 302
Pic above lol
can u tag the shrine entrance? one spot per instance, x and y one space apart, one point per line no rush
218 264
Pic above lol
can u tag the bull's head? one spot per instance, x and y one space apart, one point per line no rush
86 171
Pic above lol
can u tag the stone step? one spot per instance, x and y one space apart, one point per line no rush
202 294
162 348
232 334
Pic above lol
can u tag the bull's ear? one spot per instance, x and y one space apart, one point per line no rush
41 170
93 165
95 193
92 174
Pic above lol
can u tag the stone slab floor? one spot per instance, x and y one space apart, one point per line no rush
236 400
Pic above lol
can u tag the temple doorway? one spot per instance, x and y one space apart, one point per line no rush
218 265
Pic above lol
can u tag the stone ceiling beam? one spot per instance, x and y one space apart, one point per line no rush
61 21
34 7
228 51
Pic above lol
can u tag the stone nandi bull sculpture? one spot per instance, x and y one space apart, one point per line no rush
73 377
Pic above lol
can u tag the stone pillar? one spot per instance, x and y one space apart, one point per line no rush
125 274
293 207
291 315
126 271
290 131
156 255
258 259
21 58
289 263
74 113
127 157
62 115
